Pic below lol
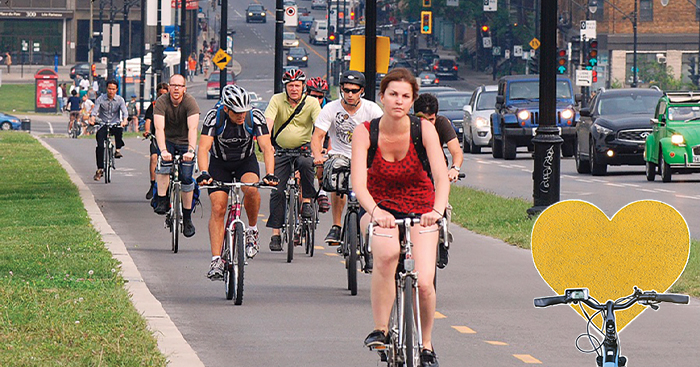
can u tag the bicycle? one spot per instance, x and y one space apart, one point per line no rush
234 252
405 339
108 155
74 126
609 350
296 230
173 219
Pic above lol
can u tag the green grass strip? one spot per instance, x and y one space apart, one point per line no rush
62 300
506 219
17 98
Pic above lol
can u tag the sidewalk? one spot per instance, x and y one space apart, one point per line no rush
26 77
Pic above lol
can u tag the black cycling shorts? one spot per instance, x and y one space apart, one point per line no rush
154 147
226 171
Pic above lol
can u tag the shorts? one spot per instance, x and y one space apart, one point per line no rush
227 171
154 147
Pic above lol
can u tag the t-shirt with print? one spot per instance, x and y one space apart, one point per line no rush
339 124
298 132
176 117
233 142
445 130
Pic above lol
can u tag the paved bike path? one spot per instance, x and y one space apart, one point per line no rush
301 313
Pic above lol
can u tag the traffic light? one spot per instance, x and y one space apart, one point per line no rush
593 52
534 65
561 61
352 15
575 51
595 76
692 71
427 3
331 35
485 31
93 69
426 22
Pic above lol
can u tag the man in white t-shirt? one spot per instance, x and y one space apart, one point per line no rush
338 119
84 84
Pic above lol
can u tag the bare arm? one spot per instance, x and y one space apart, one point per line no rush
457 158
205 143
192 124
270 124
317 145
265 143
159 121
431 142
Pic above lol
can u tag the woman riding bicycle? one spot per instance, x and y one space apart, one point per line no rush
396 185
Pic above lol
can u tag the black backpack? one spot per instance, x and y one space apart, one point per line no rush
416 139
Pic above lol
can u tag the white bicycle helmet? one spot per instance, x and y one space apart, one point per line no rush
236 98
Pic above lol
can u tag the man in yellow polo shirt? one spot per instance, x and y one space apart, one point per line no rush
290 116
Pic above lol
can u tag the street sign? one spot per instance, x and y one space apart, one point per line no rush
487 42
25 46
221 59
532 54
518 51
290 16
507 54
496 51
535 43
229 45
588 30
165 39
103 61
490 5
584 78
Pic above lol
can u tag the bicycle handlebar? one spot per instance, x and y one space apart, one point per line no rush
645 298
297 152
220 185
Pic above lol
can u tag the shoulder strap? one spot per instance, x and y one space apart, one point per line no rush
373 141
291 117
417 139
219 125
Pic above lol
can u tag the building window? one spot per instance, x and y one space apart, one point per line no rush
646 11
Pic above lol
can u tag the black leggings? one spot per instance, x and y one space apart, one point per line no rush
101 136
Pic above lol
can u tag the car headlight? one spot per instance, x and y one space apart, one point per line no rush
481 122
602 130
304 58
290 58
250 14
567 114
677 139
524 115
263 14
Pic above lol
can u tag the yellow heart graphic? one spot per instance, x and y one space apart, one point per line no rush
575 245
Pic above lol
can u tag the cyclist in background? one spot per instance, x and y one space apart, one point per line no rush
176 117
318 87
85 111
74 107
338 120
111 110
150 129
290 116
227 152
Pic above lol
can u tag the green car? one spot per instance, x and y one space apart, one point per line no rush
674 144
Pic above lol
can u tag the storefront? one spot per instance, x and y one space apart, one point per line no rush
34 37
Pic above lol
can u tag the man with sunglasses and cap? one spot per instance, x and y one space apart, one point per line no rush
338 119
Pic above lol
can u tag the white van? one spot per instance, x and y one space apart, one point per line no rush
318 34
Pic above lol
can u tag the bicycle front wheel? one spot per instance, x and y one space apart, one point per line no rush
291 224
239 261
410 340
175 217
229 275
352 237
107 162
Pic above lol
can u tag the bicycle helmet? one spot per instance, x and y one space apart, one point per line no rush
236 98
293 75
353 77
317 84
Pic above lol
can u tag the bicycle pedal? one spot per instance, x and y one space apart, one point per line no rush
338 250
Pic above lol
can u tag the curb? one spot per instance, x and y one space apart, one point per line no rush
170 341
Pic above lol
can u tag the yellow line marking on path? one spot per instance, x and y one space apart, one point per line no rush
318 247
261 215
264 220
492 342
439 315
330 254
464 329
527 358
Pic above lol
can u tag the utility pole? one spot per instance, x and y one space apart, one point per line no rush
142 75
124 52
111 36
279 32
371 49
157 59
222 42
183 36
91 57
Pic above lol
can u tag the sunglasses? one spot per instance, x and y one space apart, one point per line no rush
352 91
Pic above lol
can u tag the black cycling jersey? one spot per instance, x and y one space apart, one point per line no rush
232 141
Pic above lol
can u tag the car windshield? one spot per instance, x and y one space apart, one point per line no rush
298 51
453 102
487 101
628 104
531 90
289 36
255 8
683 113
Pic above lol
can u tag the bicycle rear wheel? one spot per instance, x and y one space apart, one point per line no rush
291 224
229 275
239 261
106 162
175 217
410 341
351 239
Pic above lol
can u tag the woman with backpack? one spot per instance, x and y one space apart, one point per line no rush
394 158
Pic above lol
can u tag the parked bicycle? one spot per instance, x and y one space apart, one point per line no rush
609 350
405 339
297 231
234 252
109 157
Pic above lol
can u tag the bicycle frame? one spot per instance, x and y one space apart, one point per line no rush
293 202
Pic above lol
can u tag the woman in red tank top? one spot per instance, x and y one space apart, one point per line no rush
395 185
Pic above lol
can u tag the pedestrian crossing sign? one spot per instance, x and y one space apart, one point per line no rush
221 59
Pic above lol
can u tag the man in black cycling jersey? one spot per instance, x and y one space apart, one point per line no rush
227 152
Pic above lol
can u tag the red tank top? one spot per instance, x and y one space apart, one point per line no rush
404 184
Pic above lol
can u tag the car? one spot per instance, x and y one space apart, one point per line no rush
428 79
9 122
288 3
254 97
674 144
213 83
303 11
450 105
436 90
319 4
259 104
406 64
477 114
255 13
304 23
517 114
298 56
289 40
446 68
614 128
81 69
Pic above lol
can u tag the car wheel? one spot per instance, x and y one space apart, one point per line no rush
509 148
582 166
597 168
650 171
6 126
496 147
567 149
665 168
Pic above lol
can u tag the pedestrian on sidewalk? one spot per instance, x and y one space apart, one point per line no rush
191 67
8 61
201 62
59 97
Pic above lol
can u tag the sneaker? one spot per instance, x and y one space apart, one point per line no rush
216 269
117 154
187 227
307 212
276 243
98 175
162 206
251 243
376 338
149 193
333 237
428 358
323 203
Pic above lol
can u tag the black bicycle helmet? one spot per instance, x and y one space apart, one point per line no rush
353 77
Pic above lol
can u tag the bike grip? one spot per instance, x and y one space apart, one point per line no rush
549 301
674 298
461 175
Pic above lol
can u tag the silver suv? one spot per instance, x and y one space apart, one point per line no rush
477 117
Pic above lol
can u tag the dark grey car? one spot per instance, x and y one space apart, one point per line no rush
255 13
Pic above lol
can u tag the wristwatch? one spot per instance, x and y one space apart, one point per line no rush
190 150
458 169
